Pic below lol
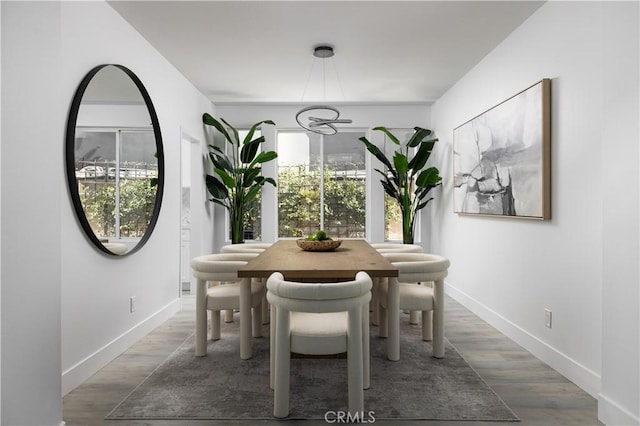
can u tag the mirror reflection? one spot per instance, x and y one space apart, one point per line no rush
115 160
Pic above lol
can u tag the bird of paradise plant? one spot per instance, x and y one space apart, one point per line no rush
405 180
238 179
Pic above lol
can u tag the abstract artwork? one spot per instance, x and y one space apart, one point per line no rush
501 158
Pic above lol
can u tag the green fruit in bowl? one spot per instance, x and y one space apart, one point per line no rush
321 235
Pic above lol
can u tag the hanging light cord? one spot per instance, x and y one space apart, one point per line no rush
323 126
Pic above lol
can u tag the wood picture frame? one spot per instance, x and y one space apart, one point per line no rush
502 158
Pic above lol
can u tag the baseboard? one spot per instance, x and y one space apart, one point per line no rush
586 379
611 413
76 375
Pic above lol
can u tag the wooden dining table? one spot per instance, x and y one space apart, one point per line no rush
341 264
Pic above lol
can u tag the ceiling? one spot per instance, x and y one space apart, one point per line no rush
385 51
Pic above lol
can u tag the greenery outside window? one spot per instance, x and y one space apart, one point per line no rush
115 169
321 184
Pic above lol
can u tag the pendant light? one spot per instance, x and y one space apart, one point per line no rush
321 119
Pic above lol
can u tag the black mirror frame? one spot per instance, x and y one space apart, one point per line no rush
70 159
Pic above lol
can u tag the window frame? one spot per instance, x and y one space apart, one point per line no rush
367 164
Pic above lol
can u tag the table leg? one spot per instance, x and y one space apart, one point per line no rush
375 305
393 319
245 318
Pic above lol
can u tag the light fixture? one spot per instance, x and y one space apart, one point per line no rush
308 118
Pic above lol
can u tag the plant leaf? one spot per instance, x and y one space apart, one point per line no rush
221 162
390 189
236 138
209 120
263 157
250 176
423 204
252 194
422 192
377 153
249 136
215 200
428 177
420 159
216 188
249 150
270 180
418 136
388 133
227 179
401 163
215 148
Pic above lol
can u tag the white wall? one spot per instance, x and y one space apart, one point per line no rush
96 321
619 399
65 305
0 219
32 183
136 116
508 270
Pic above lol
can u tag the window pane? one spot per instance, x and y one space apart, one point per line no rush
138 166
300 189
392 219
298 184
95 154
344 185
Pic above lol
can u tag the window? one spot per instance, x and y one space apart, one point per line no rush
321 184
115 170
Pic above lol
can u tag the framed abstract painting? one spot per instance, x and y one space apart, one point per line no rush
501 158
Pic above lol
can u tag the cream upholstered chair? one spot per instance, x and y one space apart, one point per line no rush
248 248
222 271
392 248
397 247
244 247
416 272
116 248
319 319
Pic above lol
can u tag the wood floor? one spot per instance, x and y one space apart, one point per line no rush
536 393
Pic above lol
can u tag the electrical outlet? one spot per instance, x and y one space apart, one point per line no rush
547 318
132 304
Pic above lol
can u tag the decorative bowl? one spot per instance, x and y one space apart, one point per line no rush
325 245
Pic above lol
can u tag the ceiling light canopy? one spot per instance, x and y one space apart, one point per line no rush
308 117
323 51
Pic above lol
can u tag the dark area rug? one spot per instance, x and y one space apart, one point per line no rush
221 386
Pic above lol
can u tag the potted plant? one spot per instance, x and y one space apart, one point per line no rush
406 180
238 179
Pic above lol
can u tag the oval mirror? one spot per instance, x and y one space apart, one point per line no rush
115 161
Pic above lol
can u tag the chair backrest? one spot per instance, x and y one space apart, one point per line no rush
245 247
319 297
418 267
220 267
397 248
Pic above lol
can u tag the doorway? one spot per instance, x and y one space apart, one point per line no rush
190 214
